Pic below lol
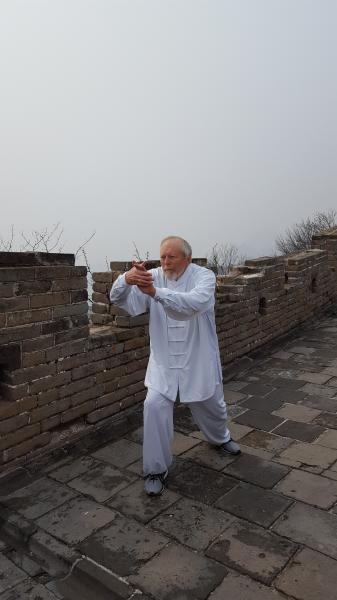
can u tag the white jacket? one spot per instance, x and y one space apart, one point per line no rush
184 352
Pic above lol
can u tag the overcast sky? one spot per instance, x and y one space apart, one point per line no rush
210 119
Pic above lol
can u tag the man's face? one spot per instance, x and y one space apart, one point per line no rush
173 259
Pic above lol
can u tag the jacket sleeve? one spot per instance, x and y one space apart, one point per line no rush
129 297
185 305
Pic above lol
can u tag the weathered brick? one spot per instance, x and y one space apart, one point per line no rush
76 386
70 310
13 392
16 437
13 274
56 326
101 298
99 307
66 349
27 288
136 343
72 334
101 287
89 369
105 277
88 394
15 334
7 290
78 296
46 383
10 425
48 396
51 299
30 374
107 375
11 304
131 378
78 411
48 273
101 319
25 447
102 413
2 319
30 359
27 316
72 283
11 408
48 410
51 422
44 341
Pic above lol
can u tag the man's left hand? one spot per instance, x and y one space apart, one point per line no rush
150 290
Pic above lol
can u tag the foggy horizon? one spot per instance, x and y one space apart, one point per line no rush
138 119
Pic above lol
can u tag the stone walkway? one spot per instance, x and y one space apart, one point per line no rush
261 526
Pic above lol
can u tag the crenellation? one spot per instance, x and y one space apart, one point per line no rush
57 371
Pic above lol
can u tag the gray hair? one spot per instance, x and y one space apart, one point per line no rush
185 246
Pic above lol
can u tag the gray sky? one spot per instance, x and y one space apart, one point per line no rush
210 119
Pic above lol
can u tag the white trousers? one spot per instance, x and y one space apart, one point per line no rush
210 415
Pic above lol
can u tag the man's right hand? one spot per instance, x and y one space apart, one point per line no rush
138 275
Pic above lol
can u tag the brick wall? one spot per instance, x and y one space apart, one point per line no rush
58 377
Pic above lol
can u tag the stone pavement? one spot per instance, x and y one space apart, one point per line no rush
261 526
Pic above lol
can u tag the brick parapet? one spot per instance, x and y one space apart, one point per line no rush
58 377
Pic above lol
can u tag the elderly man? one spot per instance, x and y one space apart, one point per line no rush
184 354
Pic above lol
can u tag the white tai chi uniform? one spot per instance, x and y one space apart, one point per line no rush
184 357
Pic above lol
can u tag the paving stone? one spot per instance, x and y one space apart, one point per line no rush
256 451
38 498
319 378
310 526
119 454
200 483
256 470
267 441
236 386
320 403
330 474
192 523
259 420
240 587
304 432
288 395
29 590
206 455
296 412
238 431
318 390
232 397
264 403
233 410
183 420
136 435
253 550
76 520
25 563
328 439
310 454
182 443
332 382
134 502
101 482
124 545
260 389
312 489
253 504
301 350
285 384
10 574
179 574
282 354
136 468
310 576
73 469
